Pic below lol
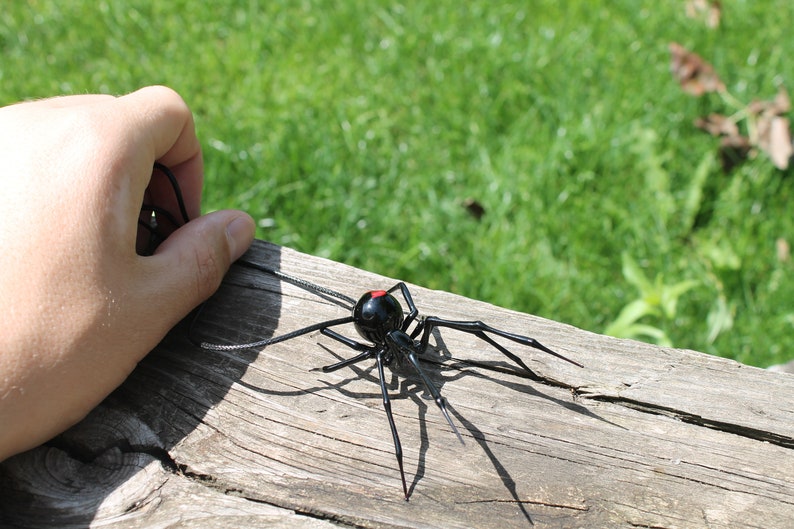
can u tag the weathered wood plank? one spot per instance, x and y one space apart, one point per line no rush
109 469
641 437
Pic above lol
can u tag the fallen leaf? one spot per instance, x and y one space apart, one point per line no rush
695 75
777 107
717 125
774 139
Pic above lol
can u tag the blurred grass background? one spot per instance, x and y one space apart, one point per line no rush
357 130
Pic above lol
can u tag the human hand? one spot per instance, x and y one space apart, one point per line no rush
80 306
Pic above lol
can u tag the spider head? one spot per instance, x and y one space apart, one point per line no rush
376 314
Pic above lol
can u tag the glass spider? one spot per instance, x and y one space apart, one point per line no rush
379 319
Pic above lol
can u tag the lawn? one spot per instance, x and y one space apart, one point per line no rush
536 155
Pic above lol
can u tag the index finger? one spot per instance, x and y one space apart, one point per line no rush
166 132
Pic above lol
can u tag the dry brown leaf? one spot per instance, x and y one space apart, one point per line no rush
695 75
774 139
777 107
709 11
756 107
717 125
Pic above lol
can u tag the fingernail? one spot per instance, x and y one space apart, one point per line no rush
240 233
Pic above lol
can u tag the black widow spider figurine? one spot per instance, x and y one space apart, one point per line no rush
378 317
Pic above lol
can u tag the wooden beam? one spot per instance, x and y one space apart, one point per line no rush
642 436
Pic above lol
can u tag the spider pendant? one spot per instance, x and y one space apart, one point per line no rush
379 319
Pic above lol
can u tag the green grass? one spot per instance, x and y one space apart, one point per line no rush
355 131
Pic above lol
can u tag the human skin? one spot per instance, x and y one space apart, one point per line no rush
80 306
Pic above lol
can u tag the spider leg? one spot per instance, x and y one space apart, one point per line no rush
478 329
398 450
413 312
404 344
420 325
358 346
268 341
366 351
440 401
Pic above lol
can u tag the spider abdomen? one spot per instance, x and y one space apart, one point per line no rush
376 314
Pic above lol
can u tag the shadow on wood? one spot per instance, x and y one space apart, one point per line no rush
643 436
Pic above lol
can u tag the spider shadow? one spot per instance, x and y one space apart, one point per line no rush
400 384
404 382
507 479
524 382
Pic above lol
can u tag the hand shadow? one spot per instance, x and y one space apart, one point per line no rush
66 481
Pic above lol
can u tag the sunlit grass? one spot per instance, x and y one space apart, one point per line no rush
356 130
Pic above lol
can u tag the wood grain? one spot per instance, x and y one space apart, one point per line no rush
642 436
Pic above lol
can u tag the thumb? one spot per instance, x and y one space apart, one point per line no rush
190 264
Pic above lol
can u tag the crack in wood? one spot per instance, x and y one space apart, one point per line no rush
342 521
698 420
540 503
211 482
